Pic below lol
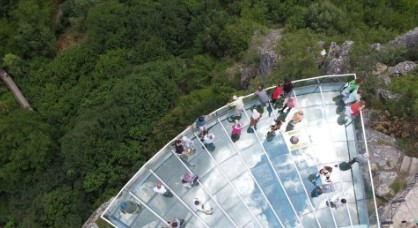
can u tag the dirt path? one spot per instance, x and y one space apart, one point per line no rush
8 81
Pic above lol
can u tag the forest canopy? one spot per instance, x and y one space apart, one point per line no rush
111 81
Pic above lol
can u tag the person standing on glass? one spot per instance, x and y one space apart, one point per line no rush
238 103
236 131
160 189
287 87
262 95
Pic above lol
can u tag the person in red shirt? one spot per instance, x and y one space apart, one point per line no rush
355 108
276 93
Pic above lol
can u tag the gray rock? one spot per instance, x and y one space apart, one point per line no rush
337 59
246 74
402 68
386 94
369 118
382 181
268 60
375 137
406 162
386 157
376 47
408 40
414 167
268 57
379 68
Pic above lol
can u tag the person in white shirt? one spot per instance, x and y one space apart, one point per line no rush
199 206
238 104
208 140
160 189
255 117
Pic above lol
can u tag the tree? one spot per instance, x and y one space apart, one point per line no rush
107 26
300 51
26 151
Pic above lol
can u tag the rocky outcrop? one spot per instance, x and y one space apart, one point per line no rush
268 60
246 74
268 56
385 94
337 59
383 181
408 40
402 68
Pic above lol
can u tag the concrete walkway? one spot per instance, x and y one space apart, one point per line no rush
409 209
8 81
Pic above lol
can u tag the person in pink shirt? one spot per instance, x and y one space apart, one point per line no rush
236 131
289 104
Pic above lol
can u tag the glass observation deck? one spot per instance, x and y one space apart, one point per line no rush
255 182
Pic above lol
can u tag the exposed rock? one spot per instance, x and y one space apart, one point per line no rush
268 60
414 167
406 162
268 57
337 58
246 74
91 222
402 68
375 137
376 47
386 94
386 157
369 118
383 151
383 180
409 40
379 68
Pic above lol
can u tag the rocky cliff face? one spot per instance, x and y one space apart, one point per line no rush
408 40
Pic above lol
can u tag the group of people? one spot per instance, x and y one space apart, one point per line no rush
350 101
281 101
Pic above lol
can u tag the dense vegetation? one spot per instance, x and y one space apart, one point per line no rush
136 72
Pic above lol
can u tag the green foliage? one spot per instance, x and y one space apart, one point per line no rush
27 148
326 17
57 87
398 185
107 136
184 113
107 25
61 207
406 87
14 65
236 36
300 51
